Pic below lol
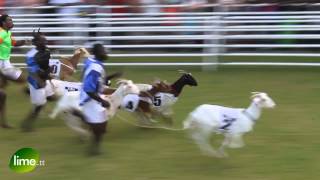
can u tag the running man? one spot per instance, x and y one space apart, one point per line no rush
6 43
39 72
3 120
93 105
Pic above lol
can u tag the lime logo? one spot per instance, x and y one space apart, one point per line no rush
25 160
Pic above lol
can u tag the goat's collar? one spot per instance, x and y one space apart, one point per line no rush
249 116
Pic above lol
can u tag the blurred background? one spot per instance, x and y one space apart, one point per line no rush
172 28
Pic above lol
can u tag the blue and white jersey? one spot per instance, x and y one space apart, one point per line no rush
86 64
93 76
33 67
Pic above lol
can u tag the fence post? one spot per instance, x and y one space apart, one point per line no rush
215 40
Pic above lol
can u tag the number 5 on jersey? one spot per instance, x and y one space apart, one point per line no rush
157 100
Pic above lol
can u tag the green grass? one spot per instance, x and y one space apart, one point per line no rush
284 144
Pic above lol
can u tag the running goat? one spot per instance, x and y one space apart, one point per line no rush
69 105
232 122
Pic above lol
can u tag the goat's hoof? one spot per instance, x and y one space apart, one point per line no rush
153 120
82 139
6 126
216 154
222 154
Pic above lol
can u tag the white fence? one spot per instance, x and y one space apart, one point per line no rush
207 34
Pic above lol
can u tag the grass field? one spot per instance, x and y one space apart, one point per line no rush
284 144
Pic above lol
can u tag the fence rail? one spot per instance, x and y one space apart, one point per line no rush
206 34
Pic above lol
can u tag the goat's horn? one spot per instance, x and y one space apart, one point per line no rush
120 81
182 71
254 96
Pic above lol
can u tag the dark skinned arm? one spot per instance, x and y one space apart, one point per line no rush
96 97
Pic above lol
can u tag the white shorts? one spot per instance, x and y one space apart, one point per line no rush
49 89
94 112
9 70
39 96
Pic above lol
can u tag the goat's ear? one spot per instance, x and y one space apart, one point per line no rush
182 71
119 82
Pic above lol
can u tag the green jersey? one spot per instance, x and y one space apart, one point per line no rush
6 45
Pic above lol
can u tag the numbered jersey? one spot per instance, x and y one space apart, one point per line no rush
162 102
55 66
62 87
130 102
230 120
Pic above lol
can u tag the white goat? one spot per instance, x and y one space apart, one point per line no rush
232 122
70 102
61 87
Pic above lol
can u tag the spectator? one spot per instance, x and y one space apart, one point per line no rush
70 15
1 5
12 3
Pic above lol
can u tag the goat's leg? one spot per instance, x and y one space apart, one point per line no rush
167 120
55 112
166 116
236 141
226 142
231 141
143 112
3 120
142 118
77 126
201 136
